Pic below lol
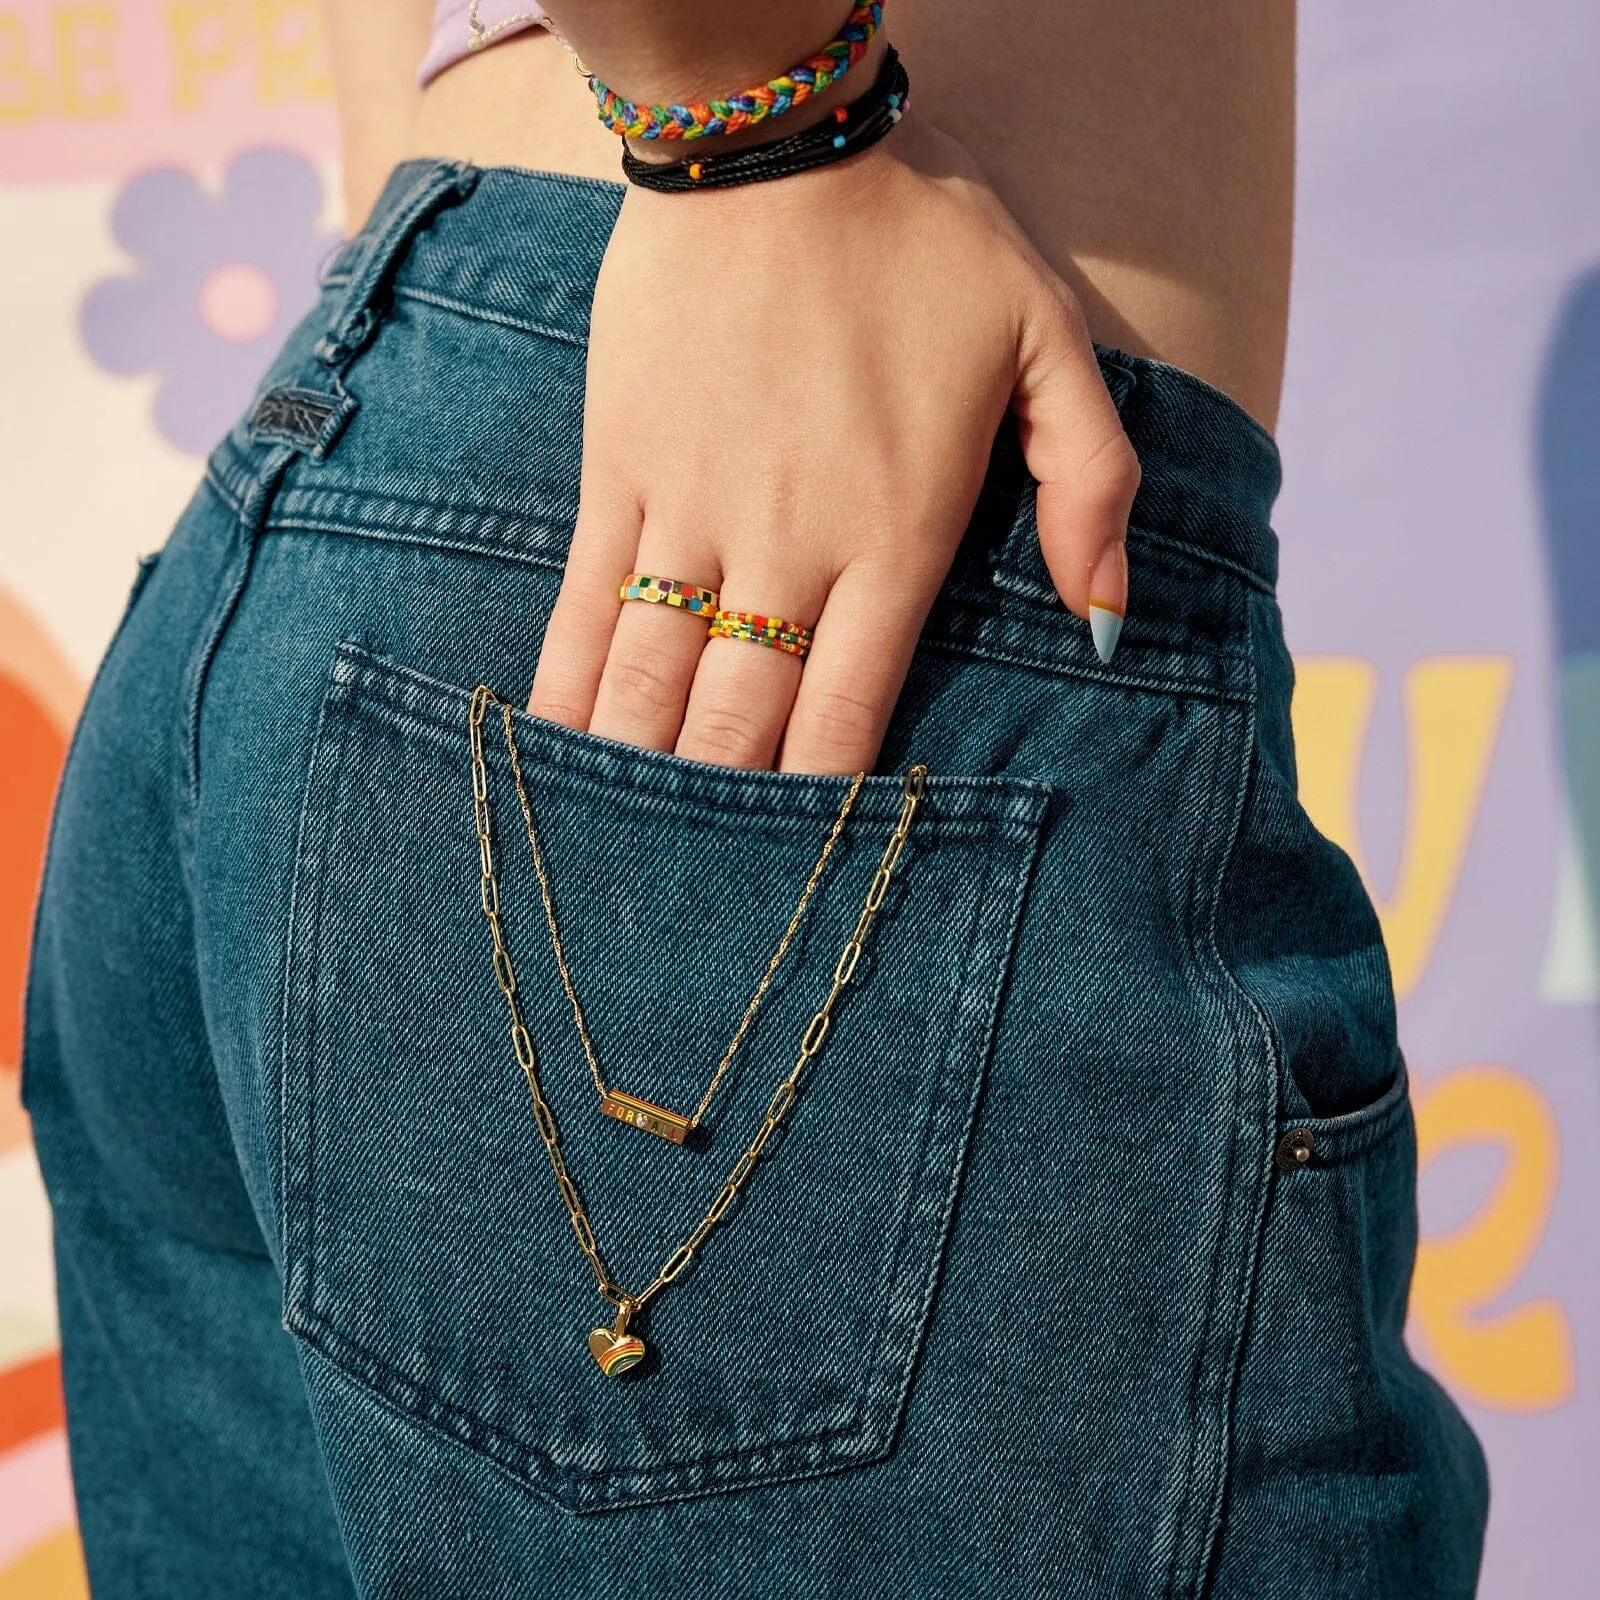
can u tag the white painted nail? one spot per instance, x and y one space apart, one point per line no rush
1105 625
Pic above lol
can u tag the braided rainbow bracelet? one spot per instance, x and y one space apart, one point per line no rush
847 131
770 99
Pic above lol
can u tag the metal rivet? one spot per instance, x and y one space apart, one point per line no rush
1295 1149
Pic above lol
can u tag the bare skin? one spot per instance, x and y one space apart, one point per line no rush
1156 176
1137 190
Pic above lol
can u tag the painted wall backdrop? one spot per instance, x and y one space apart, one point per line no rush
167 192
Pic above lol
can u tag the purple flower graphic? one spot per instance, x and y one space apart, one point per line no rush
220 281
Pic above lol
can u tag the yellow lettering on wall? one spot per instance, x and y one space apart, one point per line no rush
1453 708
279 43
206 37
75 72
22 85
294 57
86 46
1516 1360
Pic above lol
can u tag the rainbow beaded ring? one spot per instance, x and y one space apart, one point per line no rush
773 632
669 592
770 99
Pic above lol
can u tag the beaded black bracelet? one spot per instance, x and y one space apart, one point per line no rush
846 131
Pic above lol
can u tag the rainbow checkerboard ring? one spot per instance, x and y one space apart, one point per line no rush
669 592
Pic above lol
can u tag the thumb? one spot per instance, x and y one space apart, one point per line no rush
1087 471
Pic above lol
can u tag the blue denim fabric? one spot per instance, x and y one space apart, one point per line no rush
1035 1296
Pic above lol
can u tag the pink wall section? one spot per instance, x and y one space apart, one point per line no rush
109 87
165 174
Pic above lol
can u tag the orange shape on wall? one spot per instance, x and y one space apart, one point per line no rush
30 1401
39 699
1520 1359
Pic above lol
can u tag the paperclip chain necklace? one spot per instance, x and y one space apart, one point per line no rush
627 1108
614 1348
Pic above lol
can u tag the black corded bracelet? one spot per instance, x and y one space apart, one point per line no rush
846 131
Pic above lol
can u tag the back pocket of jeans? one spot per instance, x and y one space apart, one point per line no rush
428 1252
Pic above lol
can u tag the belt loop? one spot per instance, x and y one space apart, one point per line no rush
354 318
1119 378
310 412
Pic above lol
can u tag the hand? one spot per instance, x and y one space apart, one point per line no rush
793 388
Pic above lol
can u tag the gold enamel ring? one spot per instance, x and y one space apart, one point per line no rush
669 592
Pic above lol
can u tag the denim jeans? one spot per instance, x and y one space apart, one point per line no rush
1078 1269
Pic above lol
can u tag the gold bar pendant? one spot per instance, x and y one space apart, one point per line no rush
642 1114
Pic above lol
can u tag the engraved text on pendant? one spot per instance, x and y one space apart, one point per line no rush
642 1114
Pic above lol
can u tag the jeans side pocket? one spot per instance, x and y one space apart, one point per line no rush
1353 1472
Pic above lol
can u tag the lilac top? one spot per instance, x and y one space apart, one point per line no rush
452 38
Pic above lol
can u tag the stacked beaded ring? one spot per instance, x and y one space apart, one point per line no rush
773 632
669 592
770 99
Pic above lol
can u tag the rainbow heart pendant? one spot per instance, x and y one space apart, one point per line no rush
614 1349
615 1353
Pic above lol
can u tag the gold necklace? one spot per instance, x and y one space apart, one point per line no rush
627 1108
614 1348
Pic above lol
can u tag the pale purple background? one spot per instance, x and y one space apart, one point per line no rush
1449 202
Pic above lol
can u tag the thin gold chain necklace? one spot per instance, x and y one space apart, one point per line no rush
614 1348
628 1108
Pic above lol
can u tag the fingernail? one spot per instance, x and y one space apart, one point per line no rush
1108 600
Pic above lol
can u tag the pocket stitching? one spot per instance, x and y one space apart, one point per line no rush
961 801
864 1436
879 1385
298 1212
1353 1134
983 1053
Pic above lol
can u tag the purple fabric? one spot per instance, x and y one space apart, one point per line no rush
452 38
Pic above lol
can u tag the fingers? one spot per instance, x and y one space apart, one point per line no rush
645 684
864 643
647 674
655 648
1087 471
744 692
577 639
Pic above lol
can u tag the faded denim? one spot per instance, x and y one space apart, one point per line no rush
1035 1298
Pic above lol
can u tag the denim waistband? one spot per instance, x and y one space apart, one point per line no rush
524 248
